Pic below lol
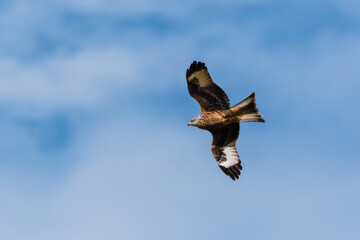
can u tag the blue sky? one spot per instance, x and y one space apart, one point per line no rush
94 107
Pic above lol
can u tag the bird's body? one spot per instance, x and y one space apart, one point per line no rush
211 120
219 118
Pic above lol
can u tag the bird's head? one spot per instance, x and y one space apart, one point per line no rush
193 122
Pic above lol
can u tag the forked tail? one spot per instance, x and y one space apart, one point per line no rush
246 110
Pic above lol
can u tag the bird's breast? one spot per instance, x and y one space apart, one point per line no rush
213 119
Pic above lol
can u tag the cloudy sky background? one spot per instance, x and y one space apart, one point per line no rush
94 107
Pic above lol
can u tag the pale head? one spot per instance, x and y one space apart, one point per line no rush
194 122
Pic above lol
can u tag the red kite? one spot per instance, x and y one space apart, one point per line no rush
219 118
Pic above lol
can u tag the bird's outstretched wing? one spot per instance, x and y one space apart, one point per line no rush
224 149
202 88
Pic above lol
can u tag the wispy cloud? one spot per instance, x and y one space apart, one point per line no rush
93 100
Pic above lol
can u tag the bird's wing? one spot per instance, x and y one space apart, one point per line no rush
224 149
202 88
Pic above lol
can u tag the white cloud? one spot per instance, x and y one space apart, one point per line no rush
79 80
128 188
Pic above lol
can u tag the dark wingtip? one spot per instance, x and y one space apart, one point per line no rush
233 172
194 67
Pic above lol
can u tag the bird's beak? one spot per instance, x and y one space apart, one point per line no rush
190 123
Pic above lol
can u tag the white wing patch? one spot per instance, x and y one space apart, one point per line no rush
230 157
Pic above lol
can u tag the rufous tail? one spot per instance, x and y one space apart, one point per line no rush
246 110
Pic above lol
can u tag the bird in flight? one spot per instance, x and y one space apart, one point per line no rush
221 120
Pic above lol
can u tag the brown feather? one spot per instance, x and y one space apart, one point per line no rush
202 88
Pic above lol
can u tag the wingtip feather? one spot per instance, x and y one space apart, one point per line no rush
233 172
194 67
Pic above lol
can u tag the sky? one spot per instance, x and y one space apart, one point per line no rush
94 107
